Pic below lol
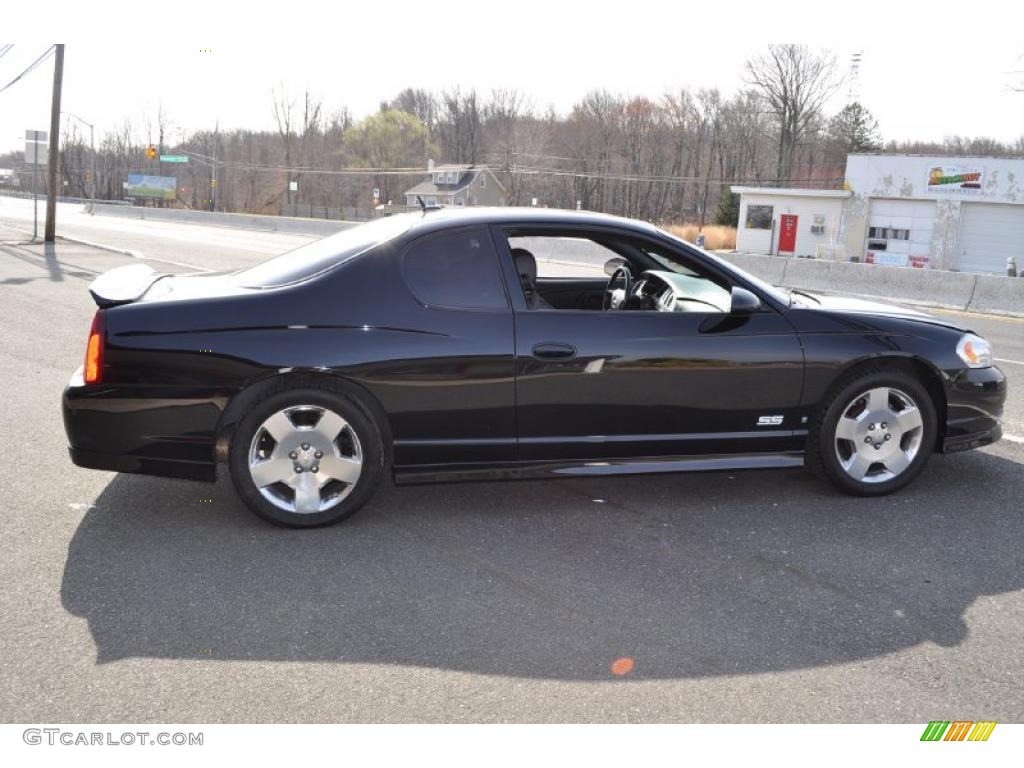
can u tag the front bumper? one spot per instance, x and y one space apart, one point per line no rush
974 408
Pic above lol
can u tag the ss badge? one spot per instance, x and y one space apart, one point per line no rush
769 421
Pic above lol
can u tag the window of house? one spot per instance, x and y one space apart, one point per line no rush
431 200
759 216
483 181
455 269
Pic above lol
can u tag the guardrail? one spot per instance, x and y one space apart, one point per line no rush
27 195
250 221
991 294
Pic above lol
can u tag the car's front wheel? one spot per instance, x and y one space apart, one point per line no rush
874 433
306 457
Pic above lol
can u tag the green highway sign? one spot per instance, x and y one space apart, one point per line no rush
173 158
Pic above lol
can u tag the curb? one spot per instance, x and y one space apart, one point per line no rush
114 249
104 247
129 252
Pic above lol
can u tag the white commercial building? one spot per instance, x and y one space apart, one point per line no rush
790 222
958 213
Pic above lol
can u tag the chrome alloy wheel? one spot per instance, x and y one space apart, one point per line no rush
878 435
305 459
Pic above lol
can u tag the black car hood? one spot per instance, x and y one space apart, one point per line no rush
850 305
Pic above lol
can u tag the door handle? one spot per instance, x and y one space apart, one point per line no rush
554 351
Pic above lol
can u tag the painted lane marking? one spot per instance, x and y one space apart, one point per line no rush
1005 360
1014 439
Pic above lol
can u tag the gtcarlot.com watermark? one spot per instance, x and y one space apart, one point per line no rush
58 736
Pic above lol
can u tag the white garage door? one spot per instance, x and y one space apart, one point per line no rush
989 234
900 232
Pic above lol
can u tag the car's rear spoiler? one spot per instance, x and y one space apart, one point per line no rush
123 285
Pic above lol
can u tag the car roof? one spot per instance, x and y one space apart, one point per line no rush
443 218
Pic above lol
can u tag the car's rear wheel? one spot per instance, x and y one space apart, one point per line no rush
874 433
306 457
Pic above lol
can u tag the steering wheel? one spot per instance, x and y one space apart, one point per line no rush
615 298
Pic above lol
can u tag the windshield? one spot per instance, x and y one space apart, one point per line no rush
320 255
777 293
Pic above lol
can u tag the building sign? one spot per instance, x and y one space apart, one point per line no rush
889 259
955 179
150 186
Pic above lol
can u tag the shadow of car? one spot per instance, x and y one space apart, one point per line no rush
689 576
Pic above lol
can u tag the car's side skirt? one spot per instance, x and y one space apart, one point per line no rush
436 473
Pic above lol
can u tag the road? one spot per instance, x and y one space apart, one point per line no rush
759 596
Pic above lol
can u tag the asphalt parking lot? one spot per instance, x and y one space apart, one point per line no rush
752 597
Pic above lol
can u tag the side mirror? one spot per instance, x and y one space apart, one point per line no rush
743 302
614 264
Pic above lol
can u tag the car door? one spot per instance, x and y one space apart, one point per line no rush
632 383
449 387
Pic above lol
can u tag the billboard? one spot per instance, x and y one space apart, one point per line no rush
150 186
955 179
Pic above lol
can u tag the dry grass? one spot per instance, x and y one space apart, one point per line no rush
716 238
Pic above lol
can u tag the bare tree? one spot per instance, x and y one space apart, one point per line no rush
795 83
418 102
284 116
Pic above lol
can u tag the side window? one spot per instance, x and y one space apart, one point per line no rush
565 256
455 269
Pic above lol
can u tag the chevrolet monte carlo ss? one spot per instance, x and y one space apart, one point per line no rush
497 343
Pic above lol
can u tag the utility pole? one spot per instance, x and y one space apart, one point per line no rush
213 171
50 232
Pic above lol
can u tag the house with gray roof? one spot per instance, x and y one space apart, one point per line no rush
458 185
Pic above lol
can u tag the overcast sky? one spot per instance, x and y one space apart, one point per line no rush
923 78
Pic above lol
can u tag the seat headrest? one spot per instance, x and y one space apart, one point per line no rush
526 265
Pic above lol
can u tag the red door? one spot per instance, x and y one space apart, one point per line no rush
787 233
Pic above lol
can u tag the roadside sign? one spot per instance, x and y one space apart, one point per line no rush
376 193
36 148
151 186
293 186
173 158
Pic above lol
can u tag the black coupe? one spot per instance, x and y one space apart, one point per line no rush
496 343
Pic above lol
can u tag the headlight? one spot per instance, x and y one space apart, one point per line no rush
974 351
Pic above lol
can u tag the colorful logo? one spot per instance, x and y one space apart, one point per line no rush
958 730
955 178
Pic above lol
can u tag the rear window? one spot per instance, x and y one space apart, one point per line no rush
456 270
320 255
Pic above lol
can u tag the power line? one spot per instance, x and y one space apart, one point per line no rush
521 170
30 67
409 171
530 171
6 49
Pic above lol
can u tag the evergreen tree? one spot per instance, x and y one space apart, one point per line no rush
727 214
854 129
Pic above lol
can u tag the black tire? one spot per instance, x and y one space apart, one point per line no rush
822 453
322 395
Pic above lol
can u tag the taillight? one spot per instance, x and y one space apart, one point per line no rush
94 350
